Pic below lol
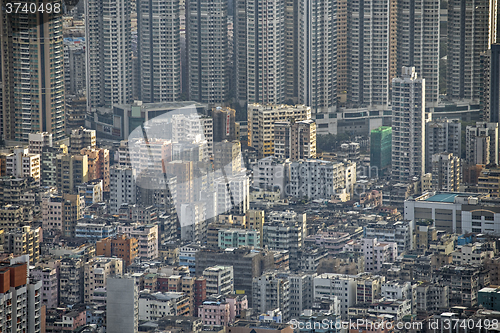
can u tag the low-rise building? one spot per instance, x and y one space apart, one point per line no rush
432 298
331 286
474 253
94 229
457 213
219 280
157 305
24 240
50 281
146 235
96 272
214 312
120 246
489 298
21 163
271 291
238 237
71 280
13 217
399 232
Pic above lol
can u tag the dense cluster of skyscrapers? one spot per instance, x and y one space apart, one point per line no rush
323 54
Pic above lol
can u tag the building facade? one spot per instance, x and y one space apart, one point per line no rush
408 126
33 85
208 55
159 50
109 53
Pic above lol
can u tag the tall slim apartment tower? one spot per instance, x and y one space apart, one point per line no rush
343 42
369 48
442 135
208 50
408 126
159 50
472 25
266 51
445 172
418 44
109 52
32 61
481 143
494 84
122 310
240 50
292 36
317 54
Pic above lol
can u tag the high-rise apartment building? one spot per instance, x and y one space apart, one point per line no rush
232 194
32 62
408 126
207 50
491 92
261 120
122 311
74 66
418 42
159 50
21 300
481 144
445 172
240 50
489 181
265 51
122 187
71 171
442 135
472 26
317 54
369 45
48 165
109 52
318 179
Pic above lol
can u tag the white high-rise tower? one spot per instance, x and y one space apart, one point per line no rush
159 43
109 52
418 44
408 126
317 53
265 51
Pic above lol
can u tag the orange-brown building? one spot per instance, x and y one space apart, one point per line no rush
121 246
12 276
98 161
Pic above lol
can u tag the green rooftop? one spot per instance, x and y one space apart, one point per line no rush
443 197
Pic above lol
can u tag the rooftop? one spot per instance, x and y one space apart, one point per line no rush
443 197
